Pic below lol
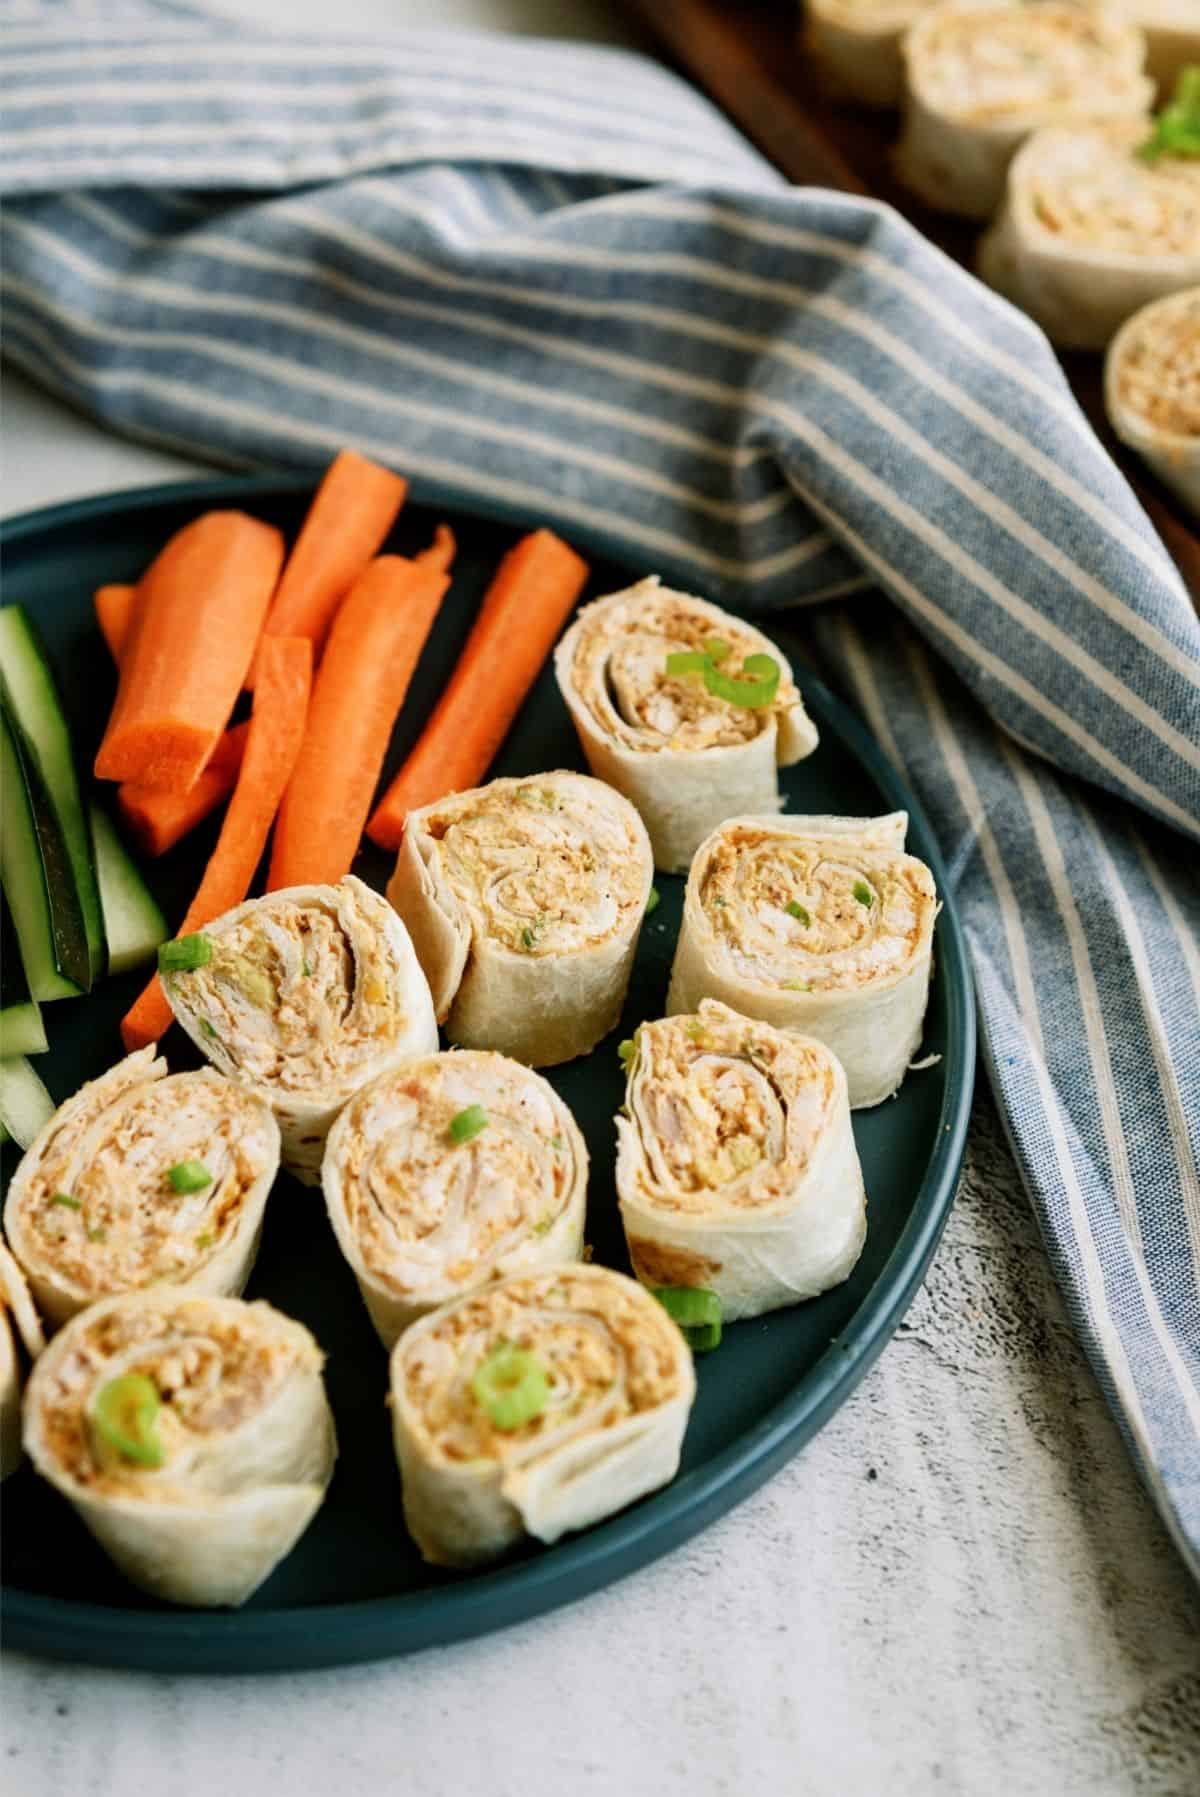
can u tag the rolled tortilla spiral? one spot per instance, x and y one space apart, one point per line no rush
91 1210
524 899
423 1215
685 756
620 1386
1152 390
736 1165
311 992
821 925
242 1428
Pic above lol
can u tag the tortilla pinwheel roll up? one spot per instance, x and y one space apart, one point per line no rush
143 1177
20 1333
192 1435
822 925
524 899
1152 390
1091 230
857 44
686 710
302 997
533 1407
981 78
454 1170
737 1170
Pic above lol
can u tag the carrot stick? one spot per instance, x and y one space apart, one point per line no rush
197 616
158 819
352 512
272 745
523 610
114 613
373 648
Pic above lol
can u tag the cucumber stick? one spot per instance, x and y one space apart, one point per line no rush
25 1104
21 1027
133 922
37 878
33 702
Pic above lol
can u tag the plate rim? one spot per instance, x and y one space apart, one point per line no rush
309 1636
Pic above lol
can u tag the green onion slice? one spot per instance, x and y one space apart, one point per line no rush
66 1200
511 1385
468 1124
697 1311
185 954
189 1176
627 1053
863 893
687 661
1177 127
796 910
654 901
754 688
124 1412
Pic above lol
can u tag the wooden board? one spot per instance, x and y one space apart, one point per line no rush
749 59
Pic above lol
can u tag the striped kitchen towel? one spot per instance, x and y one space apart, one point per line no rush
556 276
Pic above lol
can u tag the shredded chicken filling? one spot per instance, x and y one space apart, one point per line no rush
1092 191
297 995
1050 61
542 866
620 673
429 1213
728 1113
1158 376
100 1209
818 914
213 1376
609 1353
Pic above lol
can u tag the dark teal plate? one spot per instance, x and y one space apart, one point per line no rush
354 1588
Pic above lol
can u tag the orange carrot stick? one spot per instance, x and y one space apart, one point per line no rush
158 819
114 613
376 640
352 512
523 610
197 617
276 732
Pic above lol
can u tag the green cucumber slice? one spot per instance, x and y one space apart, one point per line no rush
132 920
36 874
33 702
21 1028
25 1104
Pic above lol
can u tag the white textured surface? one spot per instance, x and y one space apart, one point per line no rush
959 1586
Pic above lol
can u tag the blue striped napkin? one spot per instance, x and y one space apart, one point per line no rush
556 276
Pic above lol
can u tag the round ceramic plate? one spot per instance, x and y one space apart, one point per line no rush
355 1588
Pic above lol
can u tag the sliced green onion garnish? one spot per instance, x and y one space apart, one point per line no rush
557 1143
697 1311
511 1385
185 954
863 893
687 661
125 1411
716 649
306 968
208 1030
189 1176
796 910
204 1242
66 1200
468 1124
627 1053
754 688
97 1234
654 901
1177 126
528 937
